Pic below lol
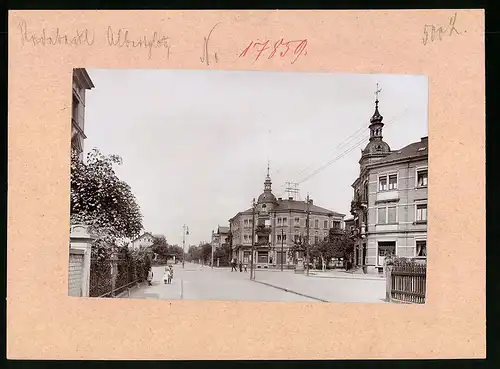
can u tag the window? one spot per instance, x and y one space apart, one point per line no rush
421 248
285 221
382 184
245 222
391 215
279 221
316 223
381 216
388 182
245 237
387 214
75 108
325 224
422 178
316 239
296 238
297 221
393 182
335 224
421 213
280 238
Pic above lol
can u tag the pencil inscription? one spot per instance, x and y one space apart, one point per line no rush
433 33
56 36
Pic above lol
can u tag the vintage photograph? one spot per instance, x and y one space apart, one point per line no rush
248 186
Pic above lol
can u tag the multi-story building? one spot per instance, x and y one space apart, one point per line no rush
390 200
144 240
220 237
81 83
277 223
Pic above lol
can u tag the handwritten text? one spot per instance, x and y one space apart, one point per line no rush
120 38
433 33
205 58
297 48
55 37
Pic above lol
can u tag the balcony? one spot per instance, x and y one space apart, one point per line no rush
392 195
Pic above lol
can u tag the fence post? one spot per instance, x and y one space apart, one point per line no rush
114 273
388 283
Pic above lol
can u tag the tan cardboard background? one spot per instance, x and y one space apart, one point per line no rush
44 323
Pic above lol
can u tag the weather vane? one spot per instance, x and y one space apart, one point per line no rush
377 92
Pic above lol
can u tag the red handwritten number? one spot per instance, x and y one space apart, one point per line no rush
264 48
277 44
244 52
299 50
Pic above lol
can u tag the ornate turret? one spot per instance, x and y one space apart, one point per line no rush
376 147
267 198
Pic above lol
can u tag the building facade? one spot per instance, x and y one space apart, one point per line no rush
276 224
80 245
144 240
219 237
390 200
81 83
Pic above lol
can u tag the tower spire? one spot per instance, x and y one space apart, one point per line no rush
268 167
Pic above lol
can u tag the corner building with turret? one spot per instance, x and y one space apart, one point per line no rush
277 224
389 205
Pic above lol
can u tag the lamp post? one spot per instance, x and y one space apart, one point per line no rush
252 276
282 233
185 232
307 237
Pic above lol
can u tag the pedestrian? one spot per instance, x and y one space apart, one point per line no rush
241 266
150 276
245 267
166 275
233 265
170 275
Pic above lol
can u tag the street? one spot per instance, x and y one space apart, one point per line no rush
195 282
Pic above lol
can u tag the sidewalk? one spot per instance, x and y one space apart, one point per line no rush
331 289
340 273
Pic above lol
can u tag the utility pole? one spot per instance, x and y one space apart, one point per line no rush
307 236
282 233
185 231
252 276
212 257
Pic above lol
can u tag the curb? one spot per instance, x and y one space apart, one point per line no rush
287 290
347 277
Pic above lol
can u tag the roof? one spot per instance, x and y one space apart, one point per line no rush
286 205
222 230
142 235
413 150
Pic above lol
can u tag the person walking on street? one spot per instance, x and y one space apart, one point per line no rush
241 266
170 274
245 267
150 276
166 275
233 265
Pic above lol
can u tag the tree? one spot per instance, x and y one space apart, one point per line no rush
100 199
194 253
160 247
206 252
177 251
341 243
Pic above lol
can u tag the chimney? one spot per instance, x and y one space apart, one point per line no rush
290 198
279 199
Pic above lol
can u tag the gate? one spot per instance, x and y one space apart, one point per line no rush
75 275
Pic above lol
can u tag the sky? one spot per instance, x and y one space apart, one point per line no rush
195 144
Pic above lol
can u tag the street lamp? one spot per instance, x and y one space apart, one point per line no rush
252 273
185 232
